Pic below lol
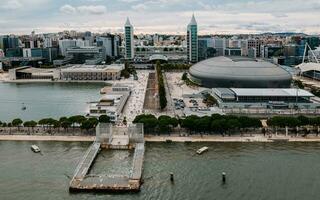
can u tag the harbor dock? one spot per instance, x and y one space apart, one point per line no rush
106 135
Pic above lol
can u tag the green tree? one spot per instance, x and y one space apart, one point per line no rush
31 124
17 122
104 119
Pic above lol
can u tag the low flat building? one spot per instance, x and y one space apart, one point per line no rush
32 73
111 103
266 98
92 72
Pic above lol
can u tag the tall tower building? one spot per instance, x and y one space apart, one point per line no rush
192 40
129 40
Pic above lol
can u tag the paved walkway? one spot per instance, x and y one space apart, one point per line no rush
151 138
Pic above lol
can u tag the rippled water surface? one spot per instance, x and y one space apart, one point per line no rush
254 171
45 99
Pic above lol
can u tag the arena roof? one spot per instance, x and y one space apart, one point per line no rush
239 72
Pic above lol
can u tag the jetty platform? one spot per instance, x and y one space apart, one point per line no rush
107 134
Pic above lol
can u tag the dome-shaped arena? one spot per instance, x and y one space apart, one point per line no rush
239 72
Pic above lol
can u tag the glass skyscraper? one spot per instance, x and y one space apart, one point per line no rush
128 39
192 40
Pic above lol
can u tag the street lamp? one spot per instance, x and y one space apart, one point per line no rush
40 63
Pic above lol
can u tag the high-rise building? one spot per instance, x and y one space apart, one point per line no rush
9 42
128 39
192 40
110 43
220 45
65 44
205 48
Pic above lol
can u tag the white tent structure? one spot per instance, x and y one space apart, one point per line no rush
309 69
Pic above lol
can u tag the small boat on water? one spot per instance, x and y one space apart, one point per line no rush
35 148
23 107
201 150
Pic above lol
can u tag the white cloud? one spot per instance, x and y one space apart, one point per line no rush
128 1
139 7
12 5
68 9
92 10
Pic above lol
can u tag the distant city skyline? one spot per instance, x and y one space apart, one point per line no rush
160 16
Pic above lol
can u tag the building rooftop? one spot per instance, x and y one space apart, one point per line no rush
127 24
280 92
88 68
193 21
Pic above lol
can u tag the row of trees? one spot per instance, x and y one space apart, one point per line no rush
219 123
279 121
187 80
162 90
208 124
63 122
162 124
169 66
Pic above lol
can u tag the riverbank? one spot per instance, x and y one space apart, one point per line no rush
151 138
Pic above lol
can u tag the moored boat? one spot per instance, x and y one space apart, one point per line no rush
35 148
201 150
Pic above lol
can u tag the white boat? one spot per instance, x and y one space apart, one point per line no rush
35 148
201 150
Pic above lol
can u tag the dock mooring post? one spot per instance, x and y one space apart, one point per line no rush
171 177
224 177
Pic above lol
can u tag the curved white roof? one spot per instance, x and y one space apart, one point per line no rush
158 57
304 67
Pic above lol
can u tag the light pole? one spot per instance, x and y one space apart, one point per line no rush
40 63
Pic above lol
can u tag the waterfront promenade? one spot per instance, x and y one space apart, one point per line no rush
173 138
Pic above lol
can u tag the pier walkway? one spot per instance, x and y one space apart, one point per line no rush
83 180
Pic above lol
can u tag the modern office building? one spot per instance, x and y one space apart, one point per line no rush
90 55
173 53
233 51
66 44
111 45
9 42
220 45
192 40
128 40
240 72
205 48
49 54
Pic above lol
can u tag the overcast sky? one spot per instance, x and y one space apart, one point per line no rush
161 16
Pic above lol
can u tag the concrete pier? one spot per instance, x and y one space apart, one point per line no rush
108 137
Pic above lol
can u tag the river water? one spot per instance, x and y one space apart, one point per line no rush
254 171
45 99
